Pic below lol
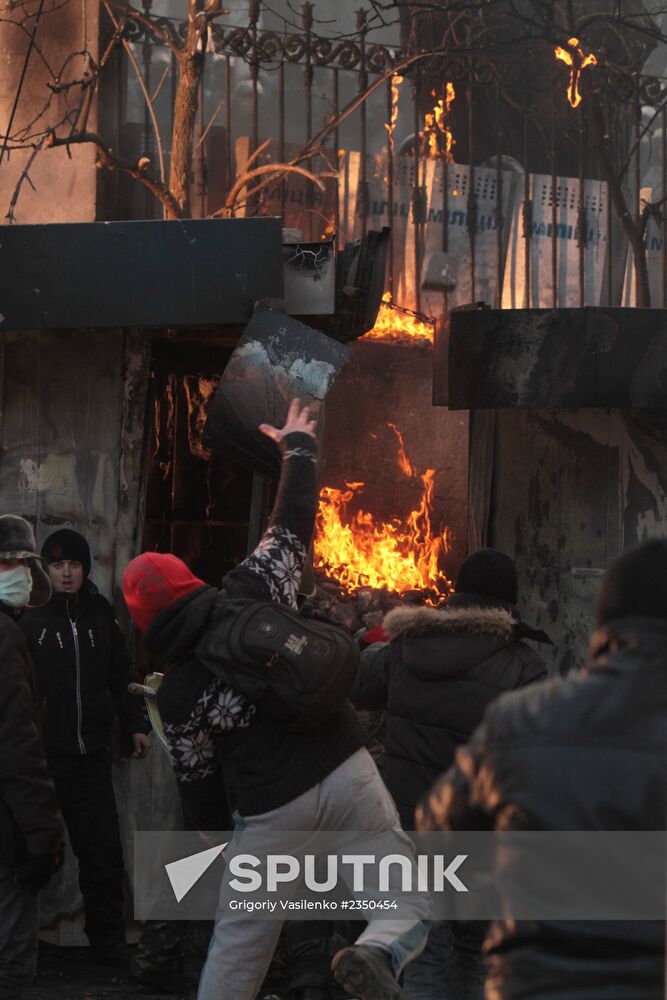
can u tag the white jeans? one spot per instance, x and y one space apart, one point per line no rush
353 797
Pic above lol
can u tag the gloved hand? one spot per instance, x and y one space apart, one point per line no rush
36 871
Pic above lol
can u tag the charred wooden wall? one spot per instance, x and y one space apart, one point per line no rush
385 384
72 453
565 491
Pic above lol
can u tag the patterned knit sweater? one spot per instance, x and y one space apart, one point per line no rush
209 726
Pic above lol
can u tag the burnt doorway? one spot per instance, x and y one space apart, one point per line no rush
198 505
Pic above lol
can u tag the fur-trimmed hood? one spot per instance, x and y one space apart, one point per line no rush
436 643
472 620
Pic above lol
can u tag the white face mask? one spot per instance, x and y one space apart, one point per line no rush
15 586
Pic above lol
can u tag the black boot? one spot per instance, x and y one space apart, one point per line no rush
366 972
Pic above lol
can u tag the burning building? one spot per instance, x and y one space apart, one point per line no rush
489 176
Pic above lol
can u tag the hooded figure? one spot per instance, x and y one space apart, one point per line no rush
83 670
30 824
436 676
583 752
441 669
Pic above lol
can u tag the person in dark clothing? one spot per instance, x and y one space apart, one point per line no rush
319 778
584 752
436 676
31 827
83 670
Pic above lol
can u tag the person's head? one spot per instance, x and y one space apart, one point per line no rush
488 573
66 554
22 580
635 584
153 581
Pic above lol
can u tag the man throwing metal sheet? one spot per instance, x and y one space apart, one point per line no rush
319 778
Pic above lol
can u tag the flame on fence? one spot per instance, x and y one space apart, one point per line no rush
399 325
396 82
358 551
575 57
437 133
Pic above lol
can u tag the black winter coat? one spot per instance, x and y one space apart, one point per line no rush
436 678
264 764
29 816
586 752
83 669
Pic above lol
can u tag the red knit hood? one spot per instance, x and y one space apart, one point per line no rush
154 580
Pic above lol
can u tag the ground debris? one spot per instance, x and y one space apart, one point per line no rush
73 974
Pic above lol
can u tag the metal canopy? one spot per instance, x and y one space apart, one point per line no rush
197 272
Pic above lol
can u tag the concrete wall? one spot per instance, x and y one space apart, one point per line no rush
64 189
385 384
71 437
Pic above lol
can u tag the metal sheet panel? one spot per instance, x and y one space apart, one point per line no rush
566 358
277 359
138 274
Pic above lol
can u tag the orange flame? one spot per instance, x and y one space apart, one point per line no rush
577 60
438 135
399 326
396 82
358 551
406 467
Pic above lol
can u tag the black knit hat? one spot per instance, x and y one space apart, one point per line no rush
488 573
635 584
67 544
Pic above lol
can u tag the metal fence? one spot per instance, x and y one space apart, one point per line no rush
523 207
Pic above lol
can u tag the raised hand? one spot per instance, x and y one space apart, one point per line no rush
298 419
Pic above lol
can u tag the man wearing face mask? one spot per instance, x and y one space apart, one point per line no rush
83 670
30 824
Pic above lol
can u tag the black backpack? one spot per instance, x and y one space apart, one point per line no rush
296 670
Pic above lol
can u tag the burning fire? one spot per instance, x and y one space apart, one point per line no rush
438 135
577 60
399 325
358 551
396 82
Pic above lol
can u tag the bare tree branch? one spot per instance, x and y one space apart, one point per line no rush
276 170
137 169
25 177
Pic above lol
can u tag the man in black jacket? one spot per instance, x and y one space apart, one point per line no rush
83 669
314 779
30 825
435 677
585 752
